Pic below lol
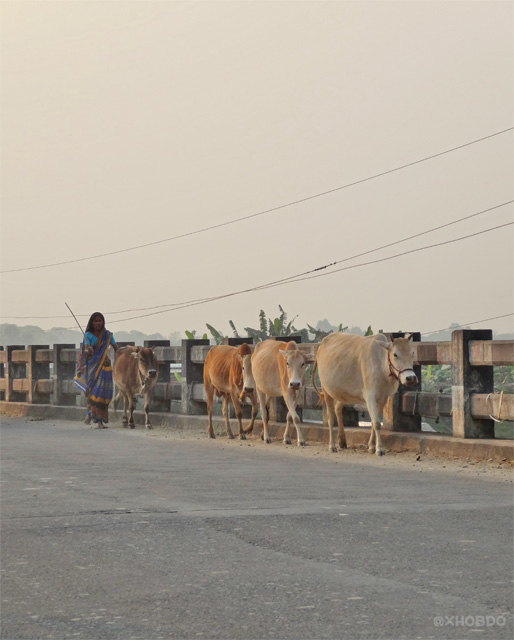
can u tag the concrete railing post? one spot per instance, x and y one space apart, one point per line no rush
191 373
2 377
15 371
37 371
467 380
62 371
236 342
164 376
394 419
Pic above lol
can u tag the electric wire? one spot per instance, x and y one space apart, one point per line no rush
467 324
258 288
260 213
288 278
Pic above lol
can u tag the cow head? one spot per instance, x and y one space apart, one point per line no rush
244 355
147 363
400 356
295 364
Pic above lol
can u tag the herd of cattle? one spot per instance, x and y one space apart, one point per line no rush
352 370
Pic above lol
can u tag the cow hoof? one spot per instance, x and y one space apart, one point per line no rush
301 443
242 436
149 426
268 440
380 452
211 436
371 449
343 445
132 426
333 449
287 440
230 436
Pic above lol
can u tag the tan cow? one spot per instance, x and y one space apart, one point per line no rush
227 372
134 373
355 369
279 370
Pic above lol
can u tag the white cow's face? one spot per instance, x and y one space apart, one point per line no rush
401 355
295 363
248 381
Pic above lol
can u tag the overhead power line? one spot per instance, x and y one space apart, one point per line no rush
320 275
261 213
467 324
282 280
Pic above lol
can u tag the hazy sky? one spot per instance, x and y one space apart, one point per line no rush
128 123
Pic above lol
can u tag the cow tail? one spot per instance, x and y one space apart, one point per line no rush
313 378
115 402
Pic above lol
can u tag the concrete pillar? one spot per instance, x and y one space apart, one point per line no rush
2 377
192 373
37 371
62 371
160 405
394 419
237 342
350 416
15 371
467 380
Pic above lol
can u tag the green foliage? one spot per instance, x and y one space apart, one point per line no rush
191 335
369 331
276 328
319 334
233 327
218 337
437 378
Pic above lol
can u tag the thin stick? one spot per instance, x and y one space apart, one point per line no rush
75 318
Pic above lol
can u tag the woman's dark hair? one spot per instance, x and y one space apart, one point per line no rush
97 314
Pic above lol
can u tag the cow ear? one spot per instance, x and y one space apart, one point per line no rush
239 357
135 354
284 354
384 345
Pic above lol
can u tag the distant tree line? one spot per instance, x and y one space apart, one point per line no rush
11 334
267 327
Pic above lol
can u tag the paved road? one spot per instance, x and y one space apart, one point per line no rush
118 535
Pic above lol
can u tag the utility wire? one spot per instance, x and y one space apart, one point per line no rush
467 324
259 288
260 213
289 278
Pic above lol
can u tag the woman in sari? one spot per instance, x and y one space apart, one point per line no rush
94 370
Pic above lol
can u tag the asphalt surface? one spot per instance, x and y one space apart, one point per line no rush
121 534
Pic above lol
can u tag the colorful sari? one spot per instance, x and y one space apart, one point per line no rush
94 378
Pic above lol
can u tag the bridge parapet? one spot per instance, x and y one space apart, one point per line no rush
38 374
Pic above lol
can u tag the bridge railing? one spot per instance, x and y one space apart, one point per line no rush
42 375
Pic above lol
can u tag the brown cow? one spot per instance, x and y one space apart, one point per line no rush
279 370
134 373
355 369
227 371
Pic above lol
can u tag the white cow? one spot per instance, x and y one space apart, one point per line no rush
279 370
355 369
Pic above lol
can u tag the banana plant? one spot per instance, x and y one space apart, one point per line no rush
218 337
